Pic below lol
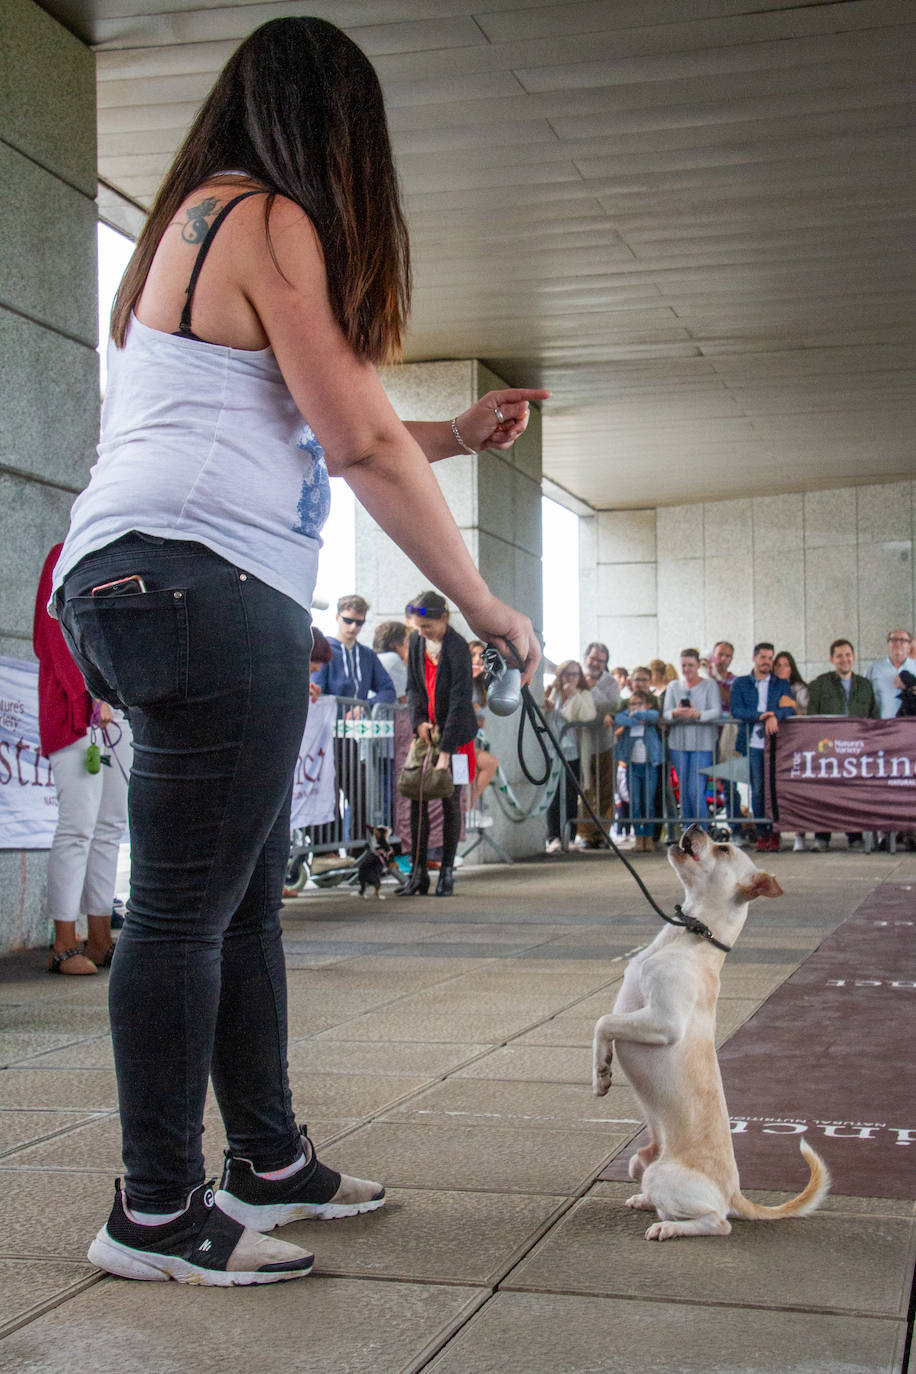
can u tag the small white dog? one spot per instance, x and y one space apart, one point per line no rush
664 1023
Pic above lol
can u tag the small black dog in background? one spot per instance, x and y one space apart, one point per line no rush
376 860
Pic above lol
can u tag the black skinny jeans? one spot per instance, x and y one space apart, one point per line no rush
212 666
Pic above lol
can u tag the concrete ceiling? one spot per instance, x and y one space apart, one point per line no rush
692 220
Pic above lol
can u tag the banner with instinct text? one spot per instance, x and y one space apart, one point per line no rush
28 800
843 773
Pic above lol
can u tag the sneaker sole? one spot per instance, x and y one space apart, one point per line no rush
268 1218
126 1263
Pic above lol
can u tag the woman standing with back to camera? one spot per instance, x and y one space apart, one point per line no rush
270 278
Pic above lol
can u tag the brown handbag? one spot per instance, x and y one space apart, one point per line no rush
420 779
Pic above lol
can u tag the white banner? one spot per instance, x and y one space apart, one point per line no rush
28 801
314 782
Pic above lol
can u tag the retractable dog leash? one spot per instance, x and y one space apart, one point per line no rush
504 697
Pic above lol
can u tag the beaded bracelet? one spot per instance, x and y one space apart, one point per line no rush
467 448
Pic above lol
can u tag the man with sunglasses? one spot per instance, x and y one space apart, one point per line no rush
354 671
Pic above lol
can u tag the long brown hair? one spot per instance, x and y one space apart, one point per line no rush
299 109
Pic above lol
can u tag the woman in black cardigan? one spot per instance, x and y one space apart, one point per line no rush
439 692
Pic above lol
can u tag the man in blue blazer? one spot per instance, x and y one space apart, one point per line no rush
354 671
755 702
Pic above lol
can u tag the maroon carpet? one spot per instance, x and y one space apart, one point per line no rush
830 1054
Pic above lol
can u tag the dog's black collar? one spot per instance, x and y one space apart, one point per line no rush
695 927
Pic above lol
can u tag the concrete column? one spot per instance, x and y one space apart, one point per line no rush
617 554
496 500
48 334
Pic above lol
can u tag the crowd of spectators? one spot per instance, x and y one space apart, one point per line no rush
663 743
715 717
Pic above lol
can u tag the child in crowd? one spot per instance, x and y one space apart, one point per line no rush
639 747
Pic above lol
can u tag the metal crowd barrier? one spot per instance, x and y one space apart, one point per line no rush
368 734
364 766
726 777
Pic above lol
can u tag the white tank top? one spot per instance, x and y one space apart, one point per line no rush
204 442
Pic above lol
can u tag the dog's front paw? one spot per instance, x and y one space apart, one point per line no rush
663 1230
640 1203
601 1081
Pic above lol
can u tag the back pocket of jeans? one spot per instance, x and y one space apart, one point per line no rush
139 643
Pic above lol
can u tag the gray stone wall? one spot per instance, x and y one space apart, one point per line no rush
49 380
800 569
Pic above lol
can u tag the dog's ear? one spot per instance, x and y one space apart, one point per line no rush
761 885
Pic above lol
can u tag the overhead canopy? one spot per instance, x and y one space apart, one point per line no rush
691 219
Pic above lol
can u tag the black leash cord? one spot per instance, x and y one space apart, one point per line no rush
533 713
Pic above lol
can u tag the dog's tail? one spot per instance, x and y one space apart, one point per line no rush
811 1196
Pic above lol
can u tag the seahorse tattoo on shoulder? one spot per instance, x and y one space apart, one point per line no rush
195 231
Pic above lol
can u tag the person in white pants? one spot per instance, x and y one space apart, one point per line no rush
83 862
92 807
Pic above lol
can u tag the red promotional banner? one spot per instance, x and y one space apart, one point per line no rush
843 773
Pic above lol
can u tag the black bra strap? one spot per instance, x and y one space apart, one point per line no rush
184 328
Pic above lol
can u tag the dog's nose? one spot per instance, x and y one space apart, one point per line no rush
686 841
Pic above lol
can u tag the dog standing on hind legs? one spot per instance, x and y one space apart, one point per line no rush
663 1025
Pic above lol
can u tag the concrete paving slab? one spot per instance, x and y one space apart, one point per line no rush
591 1007
94 1053
341 1004
30 1285
378 1058
599 1247
348 1095
430 1236
21 1128
731 1013
549 1106
16 1046
508 933
402 973
478 1158
756 983
522 976
471 1026
92 1090
52 1016
311 1325
517 1333
96 1145
51 1215
385 925
494 1000
532 1063
565 1029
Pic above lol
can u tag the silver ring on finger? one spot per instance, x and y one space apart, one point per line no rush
497 410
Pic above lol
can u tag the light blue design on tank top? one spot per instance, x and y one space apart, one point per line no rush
315 498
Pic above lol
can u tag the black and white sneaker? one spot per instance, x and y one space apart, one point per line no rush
313 1191
202 1246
